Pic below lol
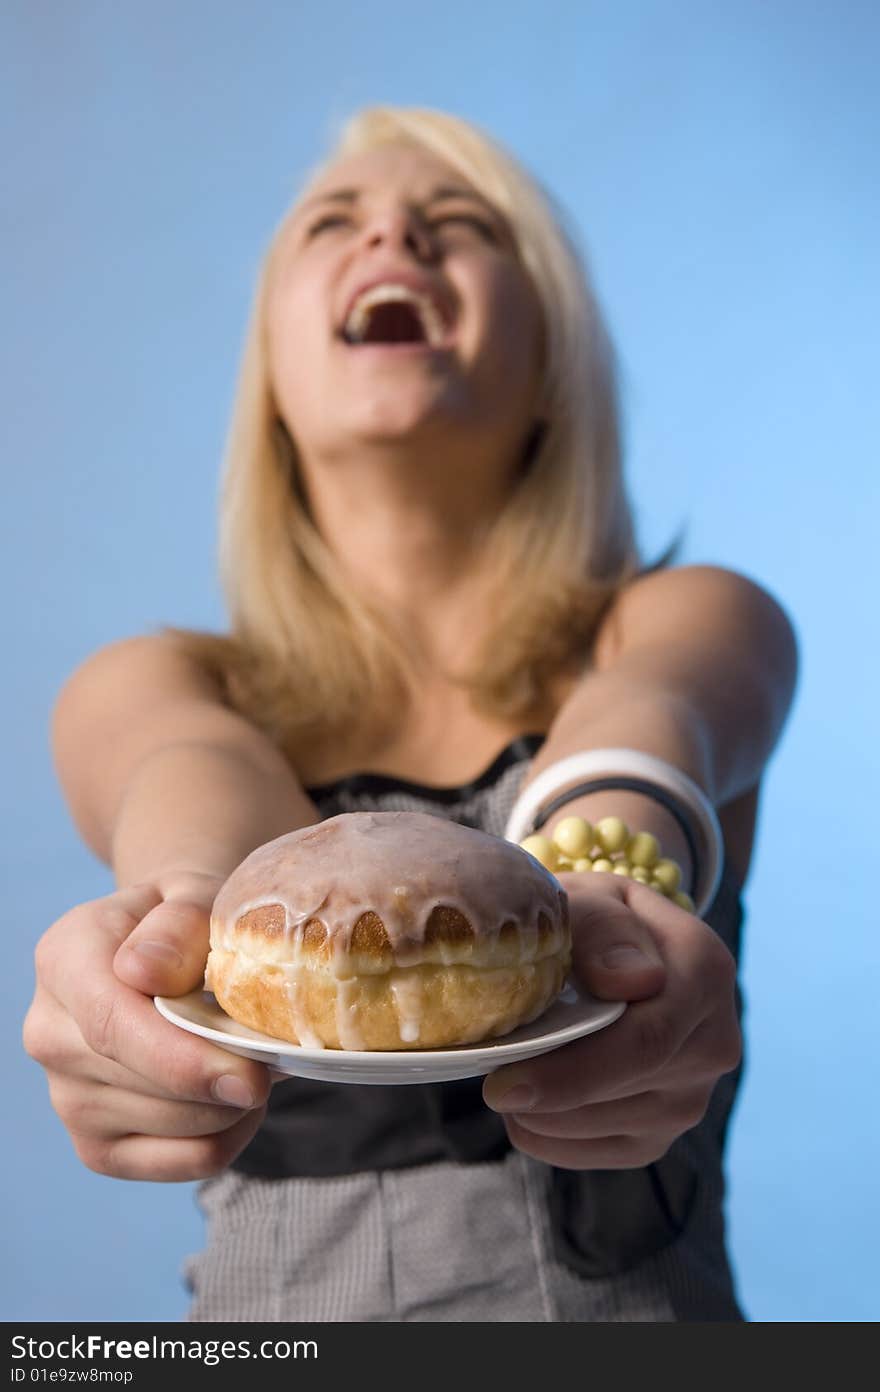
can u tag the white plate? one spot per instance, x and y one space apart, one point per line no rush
572 1015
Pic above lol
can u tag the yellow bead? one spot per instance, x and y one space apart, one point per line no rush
667 873
643 849
639 873
573 836
685 901
583 864
658 888
564 863
604 865
621 868
612 834
543 849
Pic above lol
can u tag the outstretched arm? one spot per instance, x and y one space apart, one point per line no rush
700 672
172 789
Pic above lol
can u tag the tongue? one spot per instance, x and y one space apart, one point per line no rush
394 322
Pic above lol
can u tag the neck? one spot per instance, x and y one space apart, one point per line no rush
413 536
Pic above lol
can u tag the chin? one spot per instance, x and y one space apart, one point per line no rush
396 417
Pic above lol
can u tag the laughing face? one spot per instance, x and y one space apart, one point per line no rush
401 315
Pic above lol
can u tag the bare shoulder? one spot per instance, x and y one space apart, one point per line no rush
696 604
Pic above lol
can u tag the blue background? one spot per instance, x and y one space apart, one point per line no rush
720 162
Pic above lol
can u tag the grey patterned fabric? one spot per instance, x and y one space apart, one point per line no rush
445 1242
511 1240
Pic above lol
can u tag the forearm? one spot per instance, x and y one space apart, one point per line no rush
703 674
654 725
198 807
606 713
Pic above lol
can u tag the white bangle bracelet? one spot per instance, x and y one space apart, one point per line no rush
630 762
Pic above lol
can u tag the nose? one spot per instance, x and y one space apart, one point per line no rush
400 227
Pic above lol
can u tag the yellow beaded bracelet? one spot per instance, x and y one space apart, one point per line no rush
609 846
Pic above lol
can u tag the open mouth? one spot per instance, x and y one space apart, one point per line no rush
395 317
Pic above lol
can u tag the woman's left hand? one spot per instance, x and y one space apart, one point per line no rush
619 1098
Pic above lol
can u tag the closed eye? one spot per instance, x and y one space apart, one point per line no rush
335 220
326 222
481 226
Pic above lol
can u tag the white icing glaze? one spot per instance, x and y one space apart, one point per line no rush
298 1014
350 1036
407 991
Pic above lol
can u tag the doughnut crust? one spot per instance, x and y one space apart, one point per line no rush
388 930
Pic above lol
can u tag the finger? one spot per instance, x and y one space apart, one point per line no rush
164 1160
120 1024
645 1113
612 1153
660 927
166 951
95 1109
95 930
619 1061
628 1055
614 952
51 1037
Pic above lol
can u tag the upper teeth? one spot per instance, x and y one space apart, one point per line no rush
359 315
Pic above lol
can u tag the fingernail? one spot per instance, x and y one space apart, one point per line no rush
626 957
234 1092
516 1099
157 952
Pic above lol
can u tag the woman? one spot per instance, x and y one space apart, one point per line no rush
435 595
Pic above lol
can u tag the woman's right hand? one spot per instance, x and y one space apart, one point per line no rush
141 1098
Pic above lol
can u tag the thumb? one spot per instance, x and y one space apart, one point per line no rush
615 955
166 952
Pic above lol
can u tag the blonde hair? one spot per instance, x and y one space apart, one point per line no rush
307 655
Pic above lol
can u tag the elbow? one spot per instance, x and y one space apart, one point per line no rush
767 694
769 631
78 744
780 654
73 738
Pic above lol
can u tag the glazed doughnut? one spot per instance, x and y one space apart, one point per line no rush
388 930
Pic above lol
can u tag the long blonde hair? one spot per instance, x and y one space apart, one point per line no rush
307 655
